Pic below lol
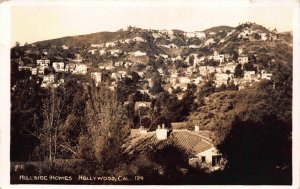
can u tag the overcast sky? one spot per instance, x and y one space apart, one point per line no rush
40 22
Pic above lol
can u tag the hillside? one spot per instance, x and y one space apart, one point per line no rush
218 29
99 37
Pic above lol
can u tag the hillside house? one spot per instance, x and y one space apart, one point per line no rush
184 80
170 46
118 63
96 76
139 59
92 51
245 34
180 95
210 69
189 71
218 57
263 36
110 44
243 59
58 66
41 71
139 39
173 81
112 88
141 74
80 69
164 56
47 80
201 152
43 63
219 69
34 71
205 70
114 76
194 46
109 67
64 47
156 35
167 32
197 80
101 67
182 86
102 52
230 67
195 34
144 91
122 73
139 53
160 71
127 64
78 58
127 40
70 68
209 42
222 78
226 57
266 75
210 156
249 75
240 51
221 58
97 45
28 67
115 52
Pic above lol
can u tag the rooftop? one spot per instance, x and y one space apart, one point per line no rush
188 141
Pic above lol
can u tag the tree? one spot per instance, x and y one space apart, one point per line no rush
156 88
257 148
26 118
126 87
191 60
207 89
52 113
107 126
249 67
238 72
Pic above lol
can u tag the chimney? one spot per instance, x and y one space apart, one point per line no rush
196 128
161 133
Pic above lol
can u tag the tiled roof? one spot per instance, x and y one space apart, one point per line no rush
186 140
189 141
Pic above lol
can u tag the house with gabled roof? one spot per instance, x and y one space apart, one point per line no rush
201 152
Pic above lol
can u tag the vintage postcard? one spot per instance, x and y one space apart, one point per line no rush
151 93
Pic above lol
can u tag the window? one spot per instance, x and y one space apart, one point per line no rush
203 159
216 160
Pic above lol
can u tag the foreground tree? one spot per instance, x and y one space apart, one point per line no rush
107 127
52 113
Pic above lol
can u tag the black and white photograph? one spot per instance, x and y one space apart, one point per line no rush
151 93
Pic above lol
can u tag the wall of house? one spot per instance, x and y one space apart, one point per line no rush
208 154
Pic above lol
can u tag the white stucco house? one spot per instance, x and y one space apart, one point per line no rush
58 66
